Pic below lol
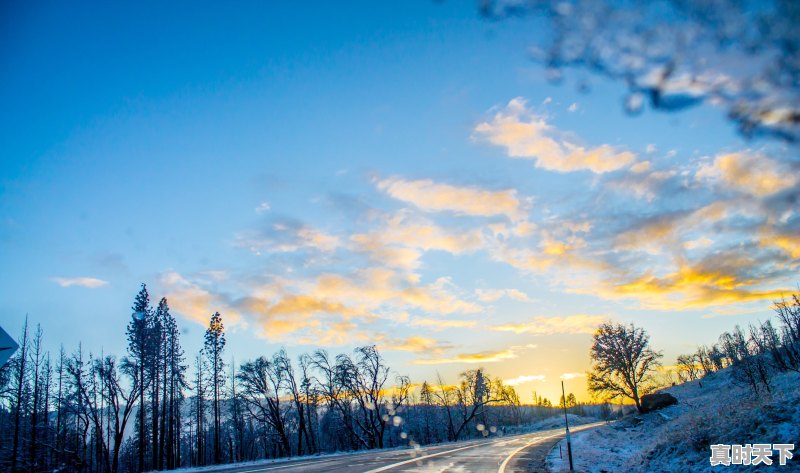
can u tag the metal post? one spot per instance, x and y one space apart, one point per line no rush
566 423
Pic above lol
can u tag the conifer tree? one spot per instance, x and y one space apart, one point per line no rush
214 346
138 351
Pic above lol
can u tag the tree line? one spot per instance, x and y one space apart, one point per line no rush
100 413
755 354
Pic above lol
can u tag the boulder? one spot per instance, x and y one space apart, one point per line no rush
652 402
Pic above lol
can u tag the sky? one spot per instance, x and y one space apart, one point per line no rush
330 176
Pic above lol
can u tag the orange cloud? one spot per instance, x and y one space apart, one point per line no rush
481 357
787 243
195 303
549 325
693 287
416 344
526 135
401 239
436 197
751 173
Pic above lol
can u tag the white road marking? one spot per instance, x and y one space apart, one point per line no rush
508 458
536 439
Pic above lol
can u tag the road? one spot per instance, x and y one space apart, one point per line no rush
518 453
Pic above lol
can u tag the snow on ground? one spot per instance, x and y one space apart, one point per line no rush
676 439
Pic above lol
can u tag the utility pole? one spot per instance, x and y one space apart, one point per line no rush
566 423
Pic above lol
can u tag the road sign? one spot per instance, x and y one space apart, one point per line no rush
7 346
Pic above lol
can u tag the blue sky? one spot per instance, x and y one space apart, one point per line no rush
338 175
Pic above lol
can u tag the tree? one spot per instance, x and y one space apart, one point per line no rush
622 363
138 351
86 379
569 403
214 346
621 47
20 378
261 384
687 367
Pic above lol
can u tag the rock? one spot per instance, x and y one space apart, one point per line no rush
652 402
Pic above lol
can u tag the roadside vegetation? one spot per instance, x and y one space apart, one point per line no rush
744 389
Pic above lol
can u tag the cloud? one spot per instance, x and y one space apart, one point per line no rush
573 108
91 283
195 303
644 184
488 356
701 242
788 243
524 379
528 136
287 236
568 376
435 197
551 325
381 287
721 279
471 358
416 344
327 309
401 238
262 207
751 173
492 295
443 323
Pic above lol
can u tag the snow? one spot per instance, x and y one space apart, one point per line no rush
677 439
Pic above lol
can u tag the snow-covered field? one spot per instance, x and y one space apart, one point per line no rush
676 439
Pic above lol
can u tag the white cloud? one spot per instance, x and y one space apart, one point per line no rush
262 207
82 282
568 376
524 379
491 295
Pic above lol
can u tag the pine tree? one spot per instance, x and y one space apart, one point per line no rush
138 351
214 346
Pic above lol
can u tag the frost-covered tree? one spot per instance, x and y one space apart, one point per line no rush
622 363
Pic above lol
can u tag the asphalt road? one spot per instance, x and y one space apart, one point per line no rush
518 453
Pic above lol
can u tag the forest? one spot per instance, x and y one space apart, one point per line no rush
158 408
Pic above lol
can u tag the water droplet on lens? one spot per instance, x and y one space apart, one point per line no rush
634 103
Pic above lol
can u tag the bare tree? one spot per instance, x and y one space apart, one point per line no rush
622 363
287 376
261 384
20 379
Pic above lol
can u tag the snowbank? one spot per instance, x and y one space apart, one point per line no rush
677 439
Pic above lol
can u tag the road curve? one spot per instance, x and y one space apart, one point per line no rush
518 453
